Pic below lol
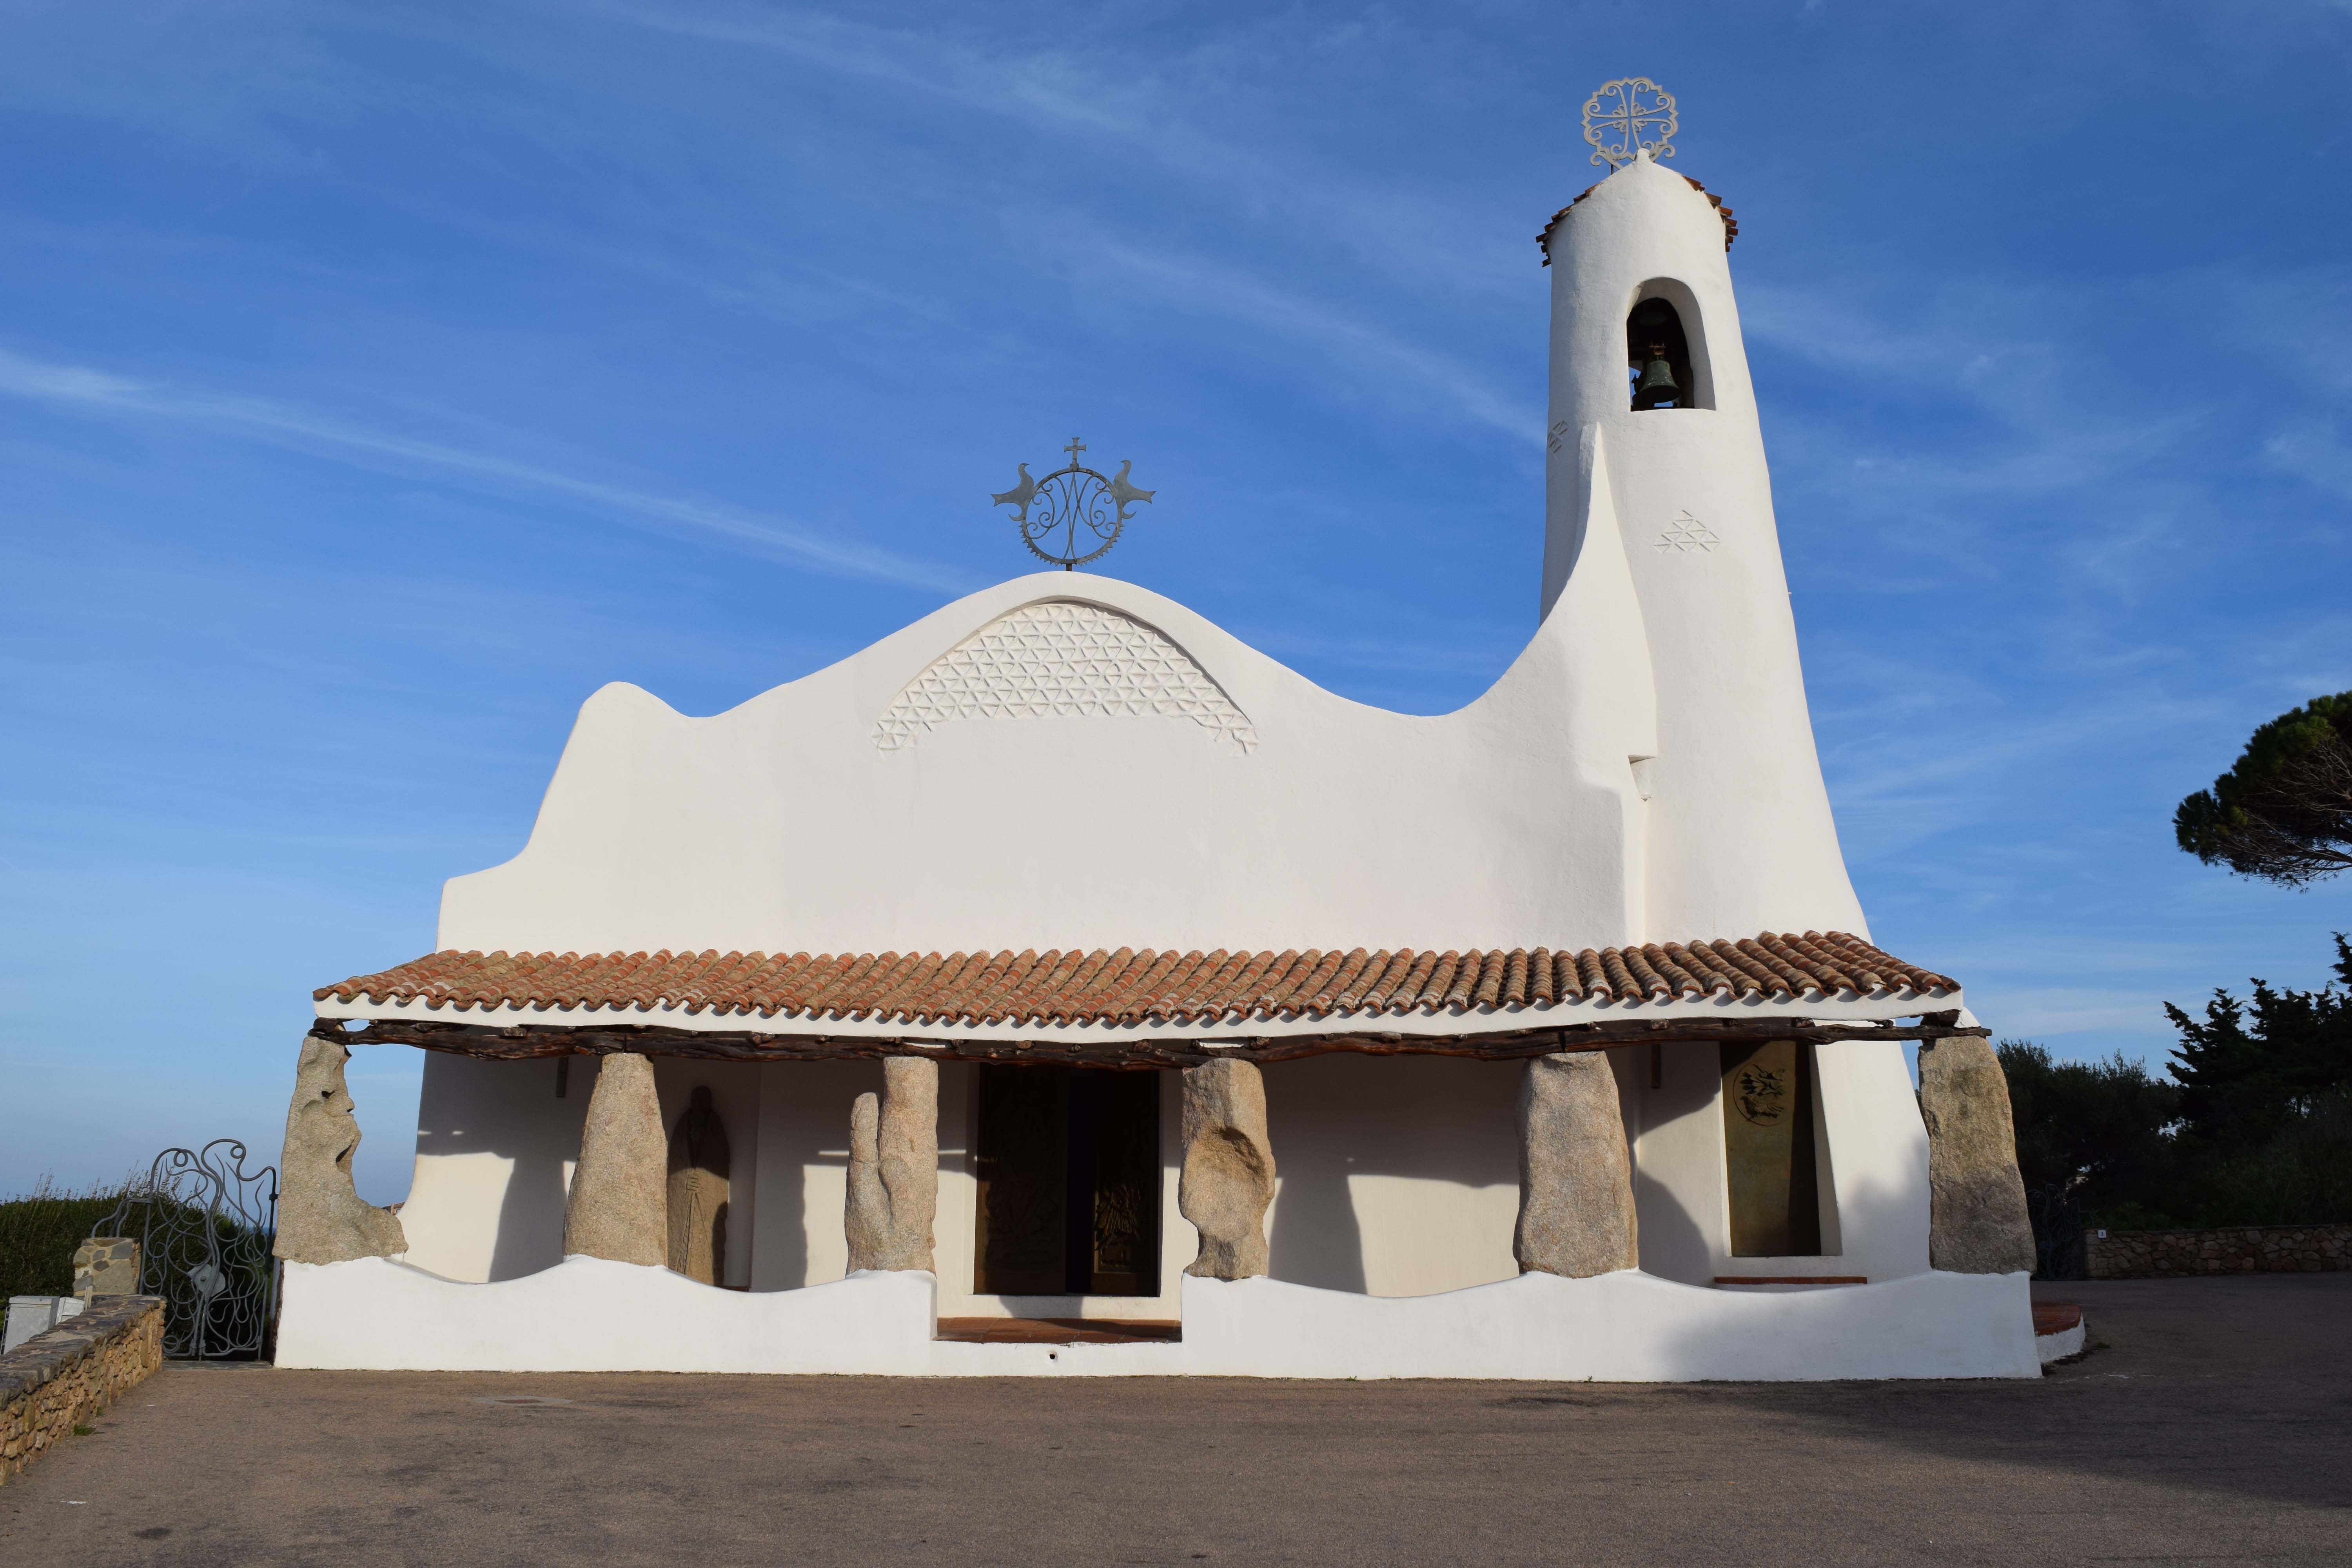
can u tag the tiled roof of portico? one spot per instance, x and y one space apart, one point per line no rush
1130 987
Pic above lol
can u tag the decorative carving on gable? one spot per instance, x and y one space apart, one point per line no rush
1062 659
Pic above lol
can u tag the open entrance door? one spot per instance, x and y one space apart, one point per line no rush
1069 1163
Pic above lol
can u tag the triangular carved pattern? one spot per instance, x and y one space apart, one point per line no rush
1064 660
1688 533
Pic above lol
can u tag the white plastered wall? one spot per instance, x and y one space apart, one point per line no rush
494 1152
496 1148
1396 1175
784 826
1740 834
1871 1152
590 1315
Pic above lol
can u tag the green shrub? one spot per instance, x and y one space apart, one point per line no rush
39 1231
2096 1129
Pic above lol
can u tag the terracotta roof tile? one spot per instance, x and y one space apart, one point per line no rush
1129 987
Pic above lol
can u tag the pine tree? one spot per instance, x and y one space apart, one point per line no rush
2250 1068
2284 813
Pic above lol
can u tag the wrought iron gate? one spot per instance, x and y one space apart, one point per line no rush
2057 1214
205 1225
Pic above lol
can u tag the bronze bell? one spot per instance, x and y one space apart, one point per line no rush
1657 383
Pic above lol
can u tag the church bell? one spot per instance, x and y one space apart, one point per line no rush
1657 383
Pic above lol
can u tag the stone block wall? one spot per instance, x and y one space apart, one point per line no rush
2240 1249
56 1381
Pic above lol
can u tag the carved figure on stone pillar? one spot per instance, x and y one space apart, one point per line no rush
698 1187
619 1204
894 1169
321 1218
1976 1218
1576 1177
1228 1176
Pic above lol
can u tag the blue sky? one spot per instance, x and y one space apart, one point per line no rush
377 381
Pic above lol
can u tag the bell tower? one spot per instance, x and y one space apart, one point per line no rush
1649 375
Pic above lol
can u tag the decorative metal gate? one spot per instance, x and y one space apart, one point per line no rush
2057 1214
205 1226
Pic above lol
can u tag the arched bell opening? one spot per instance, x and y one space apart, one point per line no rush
1666 349
1663 370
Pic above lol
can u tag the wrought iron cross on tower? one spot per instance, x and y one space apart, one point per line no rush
1618 116
1073 514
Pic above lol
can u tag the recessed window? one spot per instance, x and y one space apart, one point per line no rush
1768 1149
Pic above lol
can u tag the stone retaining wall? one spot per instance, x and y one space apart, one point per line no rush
59 1380
2240 1249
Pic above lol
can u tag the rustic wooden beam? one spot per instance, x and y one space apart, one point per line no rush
527 1041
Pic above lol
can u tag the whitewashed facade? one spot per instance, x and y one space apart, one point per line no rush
1643 774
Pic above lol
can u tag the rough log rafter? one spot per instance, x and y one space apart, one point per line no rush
526 1041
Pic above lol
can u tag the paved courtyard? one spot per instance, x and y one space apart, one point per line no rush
2216 1426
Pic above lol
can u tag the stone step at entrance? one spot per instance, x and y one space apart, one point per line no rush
1060 1330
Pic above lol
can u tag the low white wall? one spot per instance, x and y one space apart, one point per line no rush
590 1315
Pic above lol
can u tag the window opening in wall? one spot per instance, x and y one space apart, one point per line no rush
1768 1147
1068 1166
1657 351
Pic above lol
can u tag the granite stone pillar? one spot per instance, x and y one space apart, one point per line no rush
619 1204
321 1217
894 1168
106 1266
1575 1177
1977 1221
1228 1178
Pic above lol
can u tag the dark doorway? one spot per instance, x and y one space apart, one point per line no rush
1068 1164
1767 1150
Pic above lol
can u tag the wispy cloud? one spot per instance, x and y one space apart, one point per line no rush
1156 115
2314 451
2062 1011
1416 265
105 393
1205 285
1964 347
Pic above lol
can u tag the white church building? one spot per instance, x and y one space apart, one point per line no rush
1541 1039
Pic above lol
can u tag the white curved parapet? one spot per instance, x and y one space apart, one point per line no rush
1061 761
2063 1343
590 1315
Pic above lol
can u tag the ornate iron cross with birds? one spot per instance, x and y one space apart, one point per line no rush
1073 514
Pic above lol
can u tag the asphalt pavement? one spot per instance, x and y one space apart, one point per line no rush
2215 1425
